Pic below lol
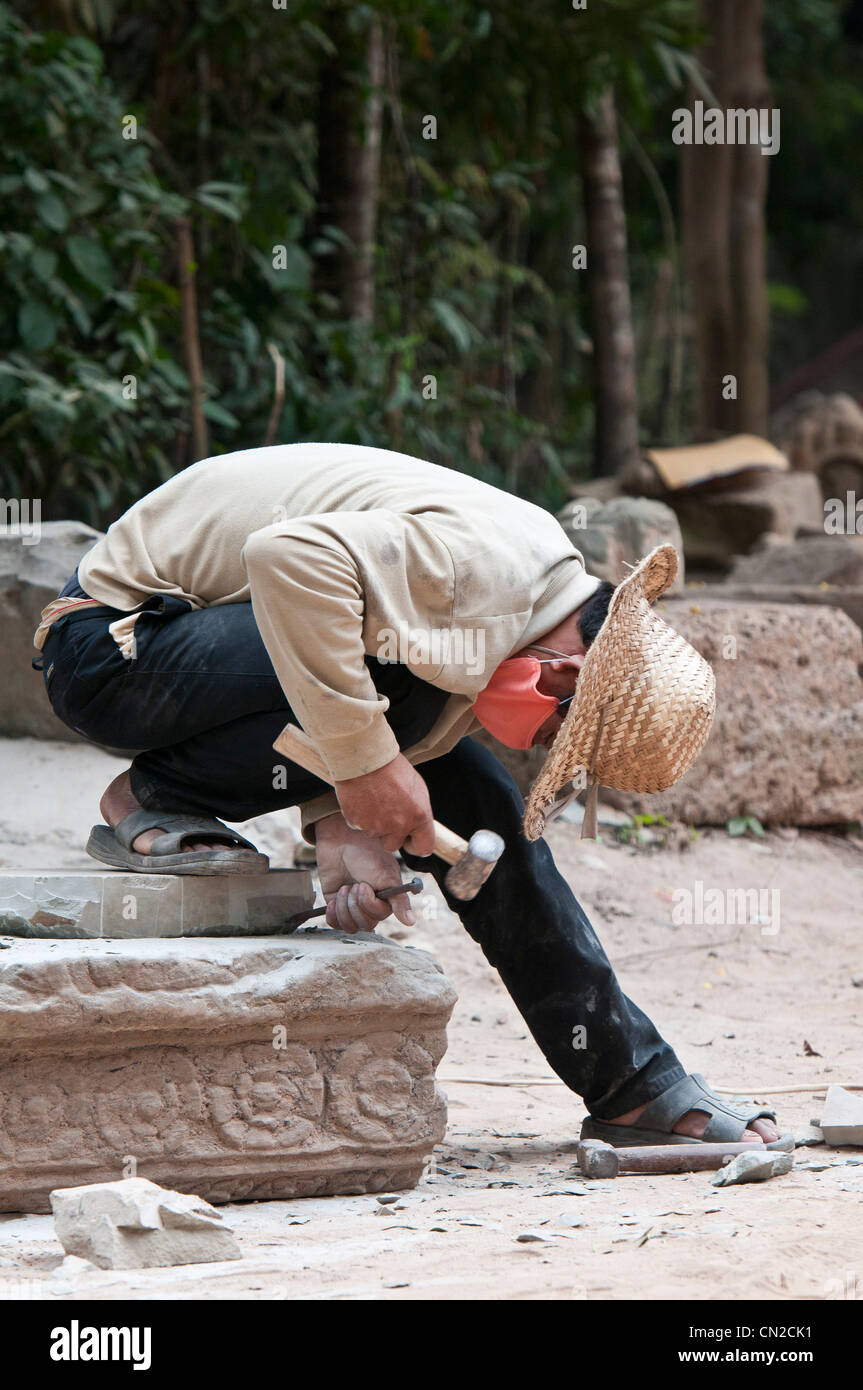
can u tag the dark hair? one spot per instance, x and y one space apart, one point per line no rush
591 615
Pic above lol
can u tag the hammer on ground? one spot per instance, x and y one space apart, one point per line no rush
597 1159
471 861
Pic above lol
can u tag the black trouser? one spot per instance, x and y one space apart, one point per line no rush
202 699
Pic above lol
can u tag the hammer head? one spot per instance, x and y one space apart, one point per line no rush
465 878
597 1159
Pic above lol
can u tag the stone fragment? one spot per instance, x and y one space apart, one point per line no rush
754 1167
35 563
234 1068
73 1265
110 903
841 1121
616 534
782 1163
135 1224
810 1138
787 741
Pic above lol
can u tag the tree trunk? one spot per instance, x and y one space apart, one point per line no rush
748 234
615 389
191 338
349 153
724 189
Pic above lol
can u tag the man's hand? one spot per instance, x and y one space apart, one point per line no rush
392 804
351 866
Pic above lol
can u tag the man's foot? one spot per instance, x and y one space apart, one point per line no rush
120 801
694 1123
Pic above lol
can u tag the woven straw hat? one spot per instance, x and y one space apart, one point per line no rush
643 705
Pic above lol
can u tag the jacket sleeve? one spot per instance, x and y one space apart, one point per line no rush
317 583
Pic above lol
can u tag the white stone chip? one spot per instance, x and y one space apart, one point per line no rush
135 1224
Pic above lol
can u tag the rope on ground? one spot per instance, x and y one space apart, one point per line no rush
809 1089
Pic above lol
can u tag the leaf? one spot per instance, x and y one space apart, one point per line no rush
737 825
43 263
35 179
52 212
91 262
455 324
786 299
220 416
754 824
37 325
224 198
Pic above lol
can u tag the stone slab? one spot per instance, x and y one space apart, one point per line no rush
847 598
718 523
135 1224
105 903
842 1119
237 1069
787 741
809 560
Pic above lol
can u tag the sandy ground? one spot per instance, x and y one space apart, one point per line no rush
503 1212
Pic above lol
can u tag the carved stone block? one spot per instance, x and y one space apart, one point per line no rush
232 1068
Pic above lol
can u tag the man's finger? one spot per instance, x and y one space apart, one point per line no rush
421 839
401 906
338 912
366 907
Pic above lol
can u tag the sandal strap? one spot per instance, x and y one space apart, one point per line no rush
177 828
727 1121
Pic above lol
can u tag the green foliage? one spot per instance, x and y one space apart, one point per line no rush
738 825
474 283
643 830
83 302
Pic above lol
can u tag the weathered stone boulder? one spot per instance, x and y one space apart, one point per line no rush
787 741
808 560
34 566
719 524
135 1224
98 902
616 534
824 435
234 1069
848 599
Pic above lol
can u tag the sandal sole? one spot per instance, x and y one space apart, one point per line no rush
204 863
630 1137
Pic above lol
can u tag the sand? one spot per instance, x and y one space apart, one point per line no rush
746 1006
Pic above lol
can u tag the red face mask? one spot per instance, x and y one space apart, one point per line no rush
511 707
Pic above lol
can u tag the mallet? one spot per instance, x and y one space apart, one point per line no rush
471 860
596 1159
